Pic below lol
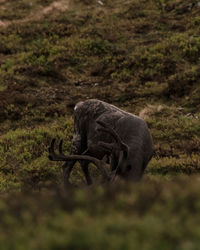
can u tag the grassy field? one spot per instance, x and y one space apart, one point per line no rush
140 55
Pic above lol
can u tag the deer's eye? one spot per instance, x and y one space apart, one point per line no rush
128 167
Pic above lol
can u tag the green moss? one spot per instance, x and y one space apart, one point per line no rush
24 153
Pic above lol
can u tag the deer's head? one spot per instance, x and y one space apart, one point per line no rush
117 149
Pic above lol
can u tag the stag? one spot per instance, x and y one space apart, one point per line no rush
104 134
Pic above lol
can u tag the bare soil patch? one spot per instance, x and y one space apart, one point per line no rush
54 8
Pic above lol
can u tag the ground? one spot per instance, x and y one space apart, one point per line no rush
142 56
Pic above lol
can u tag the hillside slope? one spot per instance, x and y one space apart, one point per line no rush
142 56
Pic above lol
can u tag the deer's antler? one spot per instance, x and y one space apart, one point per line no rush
110 146
100 164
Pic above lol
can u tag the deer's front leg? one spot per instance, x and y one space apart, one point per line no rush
67 168
76 149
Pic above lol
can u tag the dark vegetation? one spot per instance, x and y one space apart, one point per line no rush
141 55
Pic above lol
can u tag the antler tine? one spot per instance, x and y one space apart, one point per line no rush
60 147
53 156
113 133
52 145
51 150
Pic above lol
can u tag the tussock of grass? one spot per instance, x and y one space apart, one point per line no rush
153 215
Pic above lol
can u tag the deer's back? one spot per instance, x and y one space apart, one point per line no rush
128 125
132 129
